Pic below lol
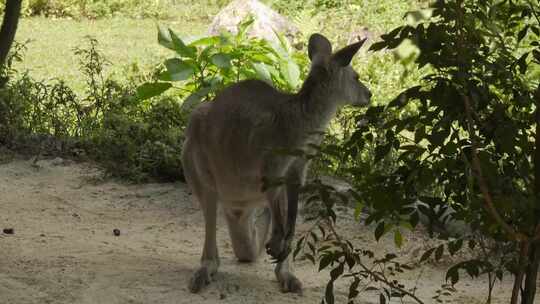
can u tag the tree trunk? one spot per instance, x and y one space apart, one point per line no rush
520 274
9 27
531 273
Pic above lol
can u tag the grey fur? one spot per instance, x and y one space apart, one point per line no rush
230 149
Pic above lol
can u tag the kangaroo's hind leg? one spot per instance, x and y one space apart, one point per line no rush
210 257
207 198
248 229
279 242
286 278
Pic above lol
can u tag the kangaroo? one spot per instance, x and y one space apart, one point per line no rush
229 152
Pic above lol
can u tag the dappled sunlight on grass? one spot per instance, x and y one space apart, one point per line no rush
124 41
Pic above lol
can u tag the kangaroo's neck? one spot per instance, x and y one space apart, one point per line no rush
317 102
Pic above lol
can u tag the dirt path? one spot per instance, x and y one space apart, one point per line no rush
63 249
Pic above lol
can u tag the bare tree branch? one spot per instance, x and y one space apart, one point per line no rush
477 169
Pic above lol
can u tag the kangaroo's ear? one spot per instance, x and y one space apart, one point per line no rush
319 49
344 56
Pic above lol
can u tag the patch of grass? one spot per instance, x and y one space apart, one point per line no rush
51 44
132 42
127 43
342 20
95 9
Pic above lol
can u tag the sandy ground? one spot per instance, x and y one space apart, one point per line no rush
63 249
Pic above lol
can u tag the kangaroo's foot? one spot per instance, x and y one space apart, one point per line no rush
288 282
202 277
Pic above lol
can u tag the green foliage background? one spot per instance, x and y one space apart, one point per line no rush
408 155
121 133
93 8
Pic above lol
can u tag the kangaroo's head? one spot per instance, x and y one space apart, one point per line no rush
335 72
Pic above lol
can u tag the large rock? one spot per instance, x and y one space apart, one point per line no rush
266 20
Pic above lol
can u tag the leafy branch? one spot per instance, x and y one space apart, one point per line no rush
331 249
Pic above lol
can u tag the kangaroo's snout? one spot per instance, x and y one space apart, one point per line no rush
363 95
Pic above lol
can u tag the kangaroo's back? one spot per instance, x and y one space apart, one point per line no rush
234 132
248 114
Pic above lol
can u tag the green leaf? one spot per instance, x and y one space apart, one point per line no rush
535 30
437 138
149 90
221 60
314 236
323 233
206 41
439 252
472 269
379 231
419 134
373 113
262 72
164 38
358 209
353 288
164 76
325 261
195 98
181 48
283 42
350 259
522 33
178 70
377 46
244 25
298 247
453 274
398 238
450 148
522 63
536 55
381 152
393 33
405 96
267 58
329 293
291 73
455 246
336 272
427 254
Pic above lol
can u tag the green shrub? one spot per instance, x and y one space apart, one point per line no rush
208 64
463 142
131 138
147 143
